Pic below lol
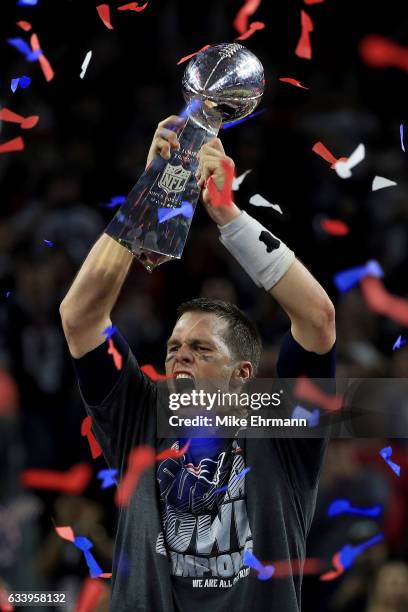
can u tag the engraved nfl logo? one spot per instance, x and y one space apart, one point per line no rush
174 179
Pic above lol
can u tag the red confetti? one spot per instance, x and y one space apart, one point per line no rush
104 13
16 144
333 573
223 197
24 25
86 430
292 82
9 397
256 25
187 57
291 567
25 122
334 227
132 6
5 606
380 52
305 389
44 63
304 47
66 533
321 150
29 122
313 1
91 594
117 357
8 115
152 373
172 453
240 22
72 482
380 301
140 458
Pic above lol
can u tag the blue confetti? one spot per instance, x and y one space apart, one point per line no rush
85 545
25 82
238 121
386 453
242 473
25 49
402 137
114 201
221 489
189 109
27 2
264 571
400 341
48 243
346 279
109 331
164 214
8 294
343 506
108 478
348 553
311 417
95 570
22 82
238 476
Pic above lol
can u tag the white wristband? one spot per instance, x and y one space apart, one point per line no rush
263 256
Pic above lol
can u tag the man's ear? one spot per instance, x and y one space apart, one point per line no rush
242 373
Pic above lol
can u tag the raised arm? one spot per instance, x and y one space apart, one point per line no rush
269 262
86 309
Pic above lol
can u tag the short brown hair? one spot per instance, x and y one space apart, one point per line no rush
242 338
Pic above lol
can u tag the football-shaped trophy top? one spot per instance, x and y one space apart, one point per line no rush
228 77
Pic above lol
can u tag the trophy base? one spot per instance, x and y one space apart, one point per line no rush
149 259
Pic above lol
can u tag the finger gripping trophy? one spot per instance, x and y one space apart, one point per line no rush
220 85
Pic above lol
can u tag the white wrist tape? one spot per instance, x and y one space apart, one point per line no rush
265 258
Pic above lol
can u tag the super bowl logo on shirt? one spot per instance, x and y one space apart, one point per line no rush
205 523
174 179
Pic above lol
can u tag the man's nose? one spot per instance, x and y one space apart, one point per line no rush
184 354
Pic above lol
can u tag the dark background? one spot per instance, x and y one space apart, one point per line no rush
91 144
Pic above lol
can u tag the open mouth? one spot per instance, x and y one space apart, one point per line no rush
180 375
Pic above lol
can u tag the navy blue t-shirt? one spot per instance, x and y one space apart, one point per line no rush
180 542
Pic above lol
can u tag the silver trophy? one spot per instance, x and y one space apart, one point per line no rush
220 85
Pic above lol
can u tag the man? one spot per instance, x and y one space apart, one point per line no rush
180 542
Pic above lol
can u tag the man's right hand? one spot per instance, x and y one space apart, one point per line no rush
165 138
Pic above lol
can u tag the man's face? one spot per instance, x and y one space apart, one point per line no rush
197 348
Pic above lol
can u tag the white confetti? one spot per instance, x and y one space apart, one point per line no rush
380 182
237 180
343 168
85 64
258 200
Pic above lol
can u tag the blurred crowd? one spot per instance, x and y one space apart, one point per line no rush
91 144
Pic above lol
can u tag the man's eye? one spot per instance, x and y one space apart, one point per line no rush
203 348
171 349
